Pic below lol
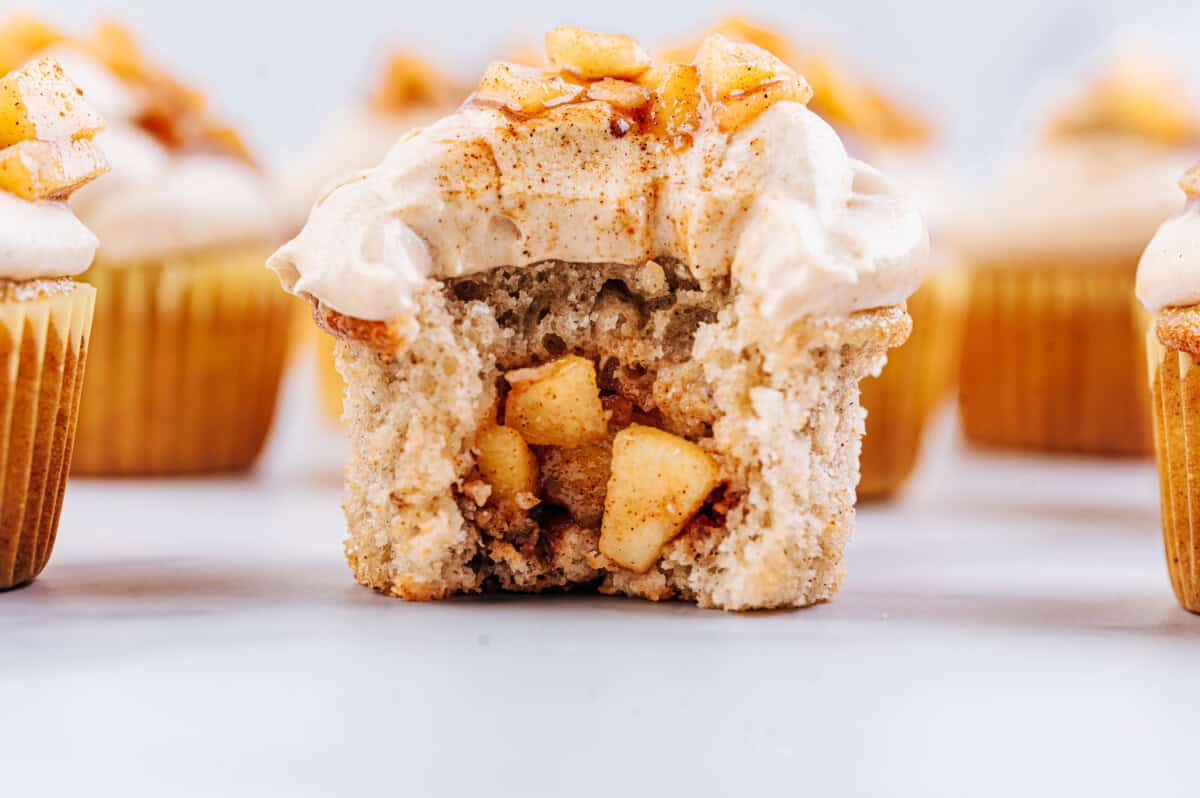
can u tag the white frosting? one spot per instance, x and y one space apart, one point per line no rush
803 228
1169 272
1086 201
42 239
155 202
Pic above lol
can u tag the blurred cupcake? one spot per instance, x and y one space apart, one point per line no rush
411 93
878 129
190 330
46 153
1168 284
1052 359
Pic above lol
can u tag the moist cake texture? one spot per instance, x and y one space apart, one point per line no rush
610 341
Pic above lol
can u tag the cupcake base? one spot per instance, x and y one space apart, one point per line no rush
1052 361
186 367
44 329
917 378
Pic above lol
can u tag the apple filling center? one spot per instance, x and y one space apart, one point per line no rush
601 425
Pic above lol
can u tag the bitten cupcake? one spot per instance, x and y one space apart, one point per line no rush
1052 358
411 93
614 335
190 336
46 153
919 375
1168 284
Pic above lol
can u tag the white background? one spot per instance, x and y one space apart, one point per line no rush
280 67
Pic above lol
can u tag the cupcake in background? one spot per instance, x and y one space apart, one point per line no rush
1052 359
1168 284
47 151
190 330
883 131
411 93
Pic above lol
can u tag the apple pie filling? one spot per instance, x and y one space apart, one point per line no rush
596 439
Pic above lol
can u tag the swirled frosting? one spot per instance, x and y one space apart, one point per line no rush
778 205
1087 201
156 201
42 239
1169 272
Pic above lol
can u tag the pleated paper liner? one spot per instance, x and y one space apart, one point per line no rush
917 378
186 364
1175 386
1052 361
43 350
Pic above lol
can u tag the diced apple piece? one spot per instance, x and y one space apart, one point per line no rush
595 55
557 404
743 80
728 67
36 170
620 94
675 113
39 102
734 113
507 464
659 481
524 90
1191 182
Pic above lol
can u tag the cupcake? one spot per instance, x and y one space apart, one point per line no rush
920 375
1168 284
190 338
614 337
47 151
410 93
1052 359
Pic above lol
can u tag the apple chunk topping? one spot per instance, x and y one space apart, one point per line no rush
620 94
557 404
524 90
658 482
506 463
742 81
595 55
37 170
39 102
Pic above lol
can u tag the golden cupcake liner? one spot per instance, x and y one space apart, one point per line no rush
1052 361
1175 389
917 378
330 385
186 364
43 350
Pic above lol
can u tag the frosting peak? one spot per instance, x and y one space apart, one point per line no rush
1169 272
42 239
778 205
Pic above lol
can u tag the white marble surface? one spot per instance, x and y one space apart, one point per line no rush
1006 629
